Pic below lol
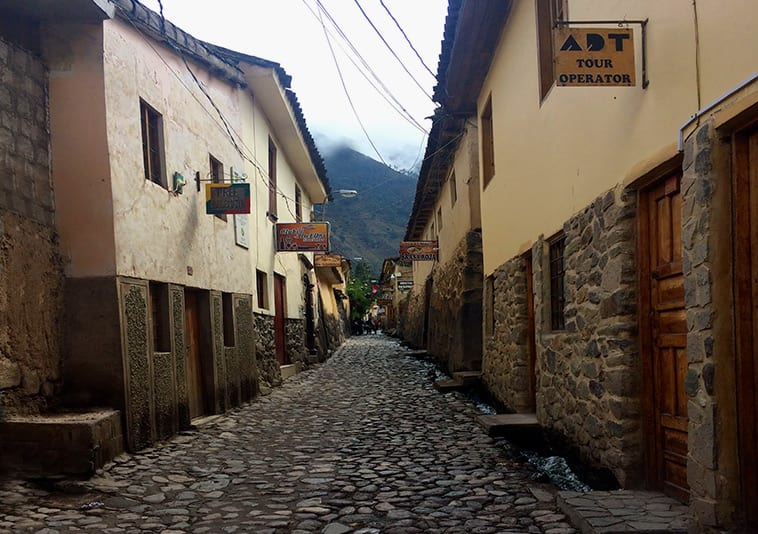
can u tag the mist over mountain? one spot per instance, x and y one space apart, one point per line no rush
371 224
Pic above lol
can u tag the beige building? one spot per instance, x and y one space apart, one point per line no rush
163 303
332 275
617 224
395 285
445 304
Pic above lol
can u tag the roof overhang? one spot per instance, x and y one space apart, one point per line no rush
58 11
273 97
330 275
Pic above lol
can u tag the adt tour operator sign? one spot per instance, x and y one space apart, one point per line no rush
594 56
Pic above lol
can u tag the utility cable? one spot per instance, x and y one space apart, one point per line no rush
407 39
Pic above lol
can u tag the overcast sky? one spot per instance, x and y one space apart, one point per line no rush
289 32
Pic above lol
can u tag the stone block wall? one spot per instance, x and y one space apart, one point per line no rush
505 369
269 374
31 277
455 317
295 335
411 324
588 377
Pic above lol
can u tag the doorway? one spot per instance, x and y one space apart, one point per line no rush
280 336
745 146
663 335
531 332
196 391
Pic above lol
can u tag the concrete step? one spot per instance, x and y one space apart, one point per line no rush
509 424
449 385
468 377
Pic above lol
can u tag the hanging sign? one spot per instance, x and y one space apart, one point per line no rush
302 237
227 199
594 57
241 225
418 250
327 260
404 285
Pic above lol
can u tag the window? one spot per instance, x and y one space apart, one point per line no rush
298 205
271 180
453 189
488 143
261 284
152 144
217 177
548 13
557 283
159 314
227 303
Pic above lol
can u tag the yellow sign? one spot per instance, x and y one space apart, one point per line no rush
594 56
327 260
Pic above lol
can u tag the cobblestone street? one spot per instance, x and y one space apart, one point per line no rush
361 443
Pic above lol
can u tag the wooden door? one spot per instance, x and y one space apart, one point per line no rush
195 390
746 313
280 338
663 332
531 333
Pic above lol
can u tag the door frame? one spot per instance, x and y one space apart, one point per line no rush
280 318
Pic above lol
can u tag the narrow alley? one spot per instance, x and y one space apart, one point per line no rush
360 443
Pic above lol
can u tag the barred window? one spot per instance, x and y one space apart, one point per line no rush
557 283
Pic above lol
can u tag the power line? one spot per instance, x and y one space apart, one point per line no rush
365 15
407 39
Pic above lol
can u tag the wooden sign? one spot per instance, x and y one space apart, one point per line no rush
227 199
587 57
404 285
302 237
418 250
327 260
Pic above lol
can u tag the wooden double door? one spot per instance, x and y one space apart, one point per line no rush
663 334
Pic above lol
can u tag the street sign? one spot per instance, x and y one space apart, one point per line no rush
594 57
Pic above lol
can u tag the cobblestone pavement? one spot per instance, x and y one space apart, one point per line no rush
362 443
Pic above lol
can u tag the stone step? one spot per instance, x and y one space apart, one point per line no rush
468 377
509 424
449 385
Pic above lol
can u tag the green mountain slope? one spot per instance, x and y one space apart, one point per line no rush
371 224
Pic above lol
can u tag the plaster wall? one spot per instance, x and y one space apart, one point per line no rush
79 149
159 235
552 157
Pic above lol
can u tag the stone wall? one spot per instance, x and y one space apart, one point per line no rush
411 324
700 183
588 386
455 318
295 335
31 278
505 369
269 374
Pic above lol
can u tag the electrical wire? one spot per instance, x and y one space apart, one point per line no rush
407 40
371 23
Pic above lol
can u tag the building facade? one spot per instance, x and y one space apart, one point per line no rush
616 230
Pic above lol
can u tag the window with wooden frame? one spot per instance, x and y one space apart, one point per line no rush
153 156
298 205
271 180
261 286
549 12
217 177
160 317
227 304
557 282
488 143
453 189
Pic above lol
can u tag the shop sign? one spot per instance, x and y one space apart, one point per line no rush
302 237
227 199
405 285
241 229
418 250
327 260
594 57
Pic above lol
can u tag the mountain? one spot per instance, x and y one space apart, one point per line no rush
371 224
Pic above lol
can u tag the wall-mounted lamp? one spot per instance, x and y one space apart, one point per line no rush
347 193
179 182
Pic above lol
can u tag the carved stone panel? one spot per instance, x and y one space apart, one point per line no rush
179 351
140 429
164 387
221 393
